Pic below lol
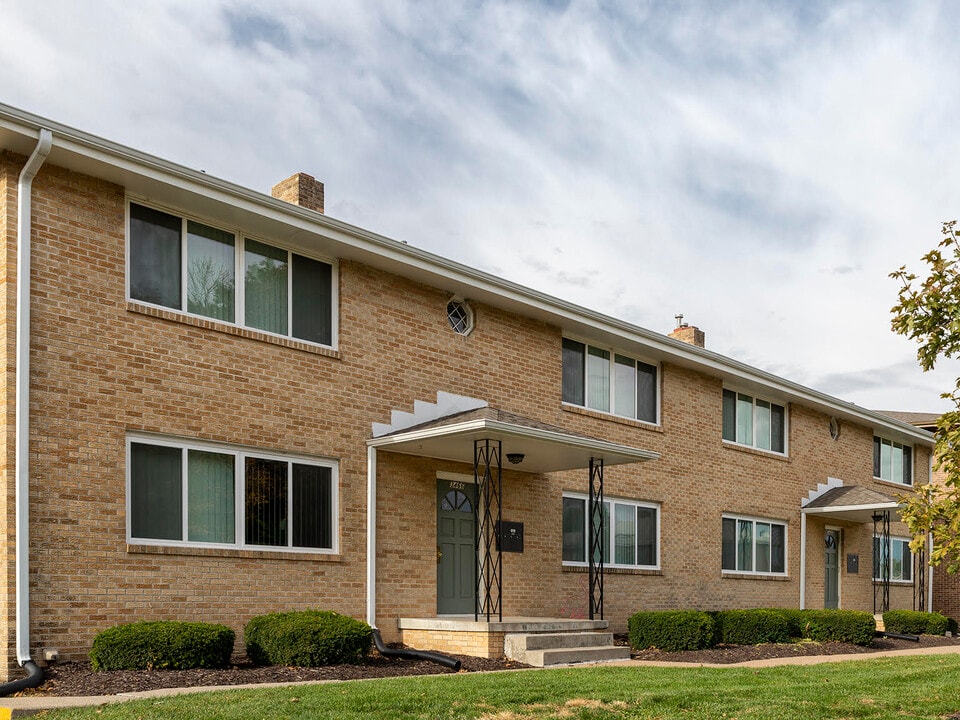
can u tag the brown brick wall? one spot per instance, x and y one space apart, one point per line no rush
103 368
9 166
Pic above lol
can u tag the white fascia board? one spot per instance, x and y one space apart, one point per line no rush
405 260
849 508
495 426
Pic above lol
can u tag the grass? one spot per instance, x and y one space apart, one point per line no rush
914 687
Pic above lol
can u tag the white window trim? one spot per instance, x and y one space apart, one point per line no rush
894 581
754 519
239 286
613 353
611 549
239 453
766 398
894 443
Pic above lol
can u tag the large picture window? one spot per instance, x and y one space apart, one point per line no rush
608 381
754 546
897 554
188 266
183 493
752 421
631 532
892 461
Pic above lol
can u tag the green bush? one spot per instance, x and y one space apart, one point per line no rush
672 630
162 644
852 626
914 622
308 638
752 627
794 620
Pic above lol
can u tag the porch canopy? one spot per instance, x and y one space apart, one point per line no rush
856 504
468 431
545 448
851 503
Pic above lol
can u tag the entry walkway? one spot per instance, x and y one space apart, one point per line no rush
27 706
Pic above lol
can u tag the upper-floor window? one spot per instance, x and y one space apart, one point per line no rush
184 493
186 265
892 461
897 555
751 421
633 542
604 380
754 546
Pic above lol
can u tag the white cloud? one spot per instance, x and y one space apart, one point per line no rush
760 167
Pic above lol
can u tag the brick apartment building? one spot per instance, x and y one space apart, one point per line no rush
236 404
946 587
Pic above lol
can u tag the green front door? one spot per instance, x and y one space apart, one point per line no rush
831 564
456 553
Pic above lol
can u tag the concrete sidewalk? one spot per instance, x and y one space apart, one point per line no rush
26 706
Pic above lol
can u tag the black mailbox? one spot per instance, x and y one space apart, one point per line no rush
853 564
510 537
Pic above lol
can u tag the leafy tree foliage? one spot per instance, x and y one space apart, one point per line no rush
928 312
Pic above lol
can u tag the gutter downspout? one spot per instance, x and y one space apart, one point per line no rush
22 457
803 560
372 537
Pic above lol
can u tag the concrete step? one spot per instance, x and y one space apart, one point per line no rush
548 641
878 618
567 656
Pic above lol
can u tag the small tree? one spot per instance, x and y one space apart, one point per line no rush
928 312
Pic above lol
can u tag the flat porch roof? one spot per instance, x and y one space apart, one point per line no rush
544 448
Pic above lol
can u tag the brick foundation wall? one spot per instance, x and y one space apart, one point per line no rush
103 368
478 644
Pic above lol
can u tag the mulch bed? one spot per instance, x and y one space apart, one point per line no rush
77 678
726 654
74 678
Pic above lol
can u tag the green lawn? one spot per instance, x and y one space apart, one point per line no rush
914 687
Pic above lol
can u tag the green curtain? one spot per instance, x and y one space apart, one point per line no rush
210 499
265 300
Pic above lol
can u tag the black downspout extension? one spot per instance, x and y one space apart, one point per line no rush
33 679
444 660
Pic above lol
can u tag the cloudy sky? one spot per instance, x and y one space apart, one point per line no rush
759 167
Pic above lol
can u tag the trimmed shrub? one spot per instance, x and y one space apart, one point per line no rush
914 622
162 644
752 627
672 630
852 626
308 638
794 620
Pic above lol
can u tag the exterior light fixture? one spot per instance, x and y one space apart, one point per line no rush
515 458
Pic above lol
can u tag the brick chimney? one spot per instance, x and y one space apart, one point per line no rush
688 333
300 189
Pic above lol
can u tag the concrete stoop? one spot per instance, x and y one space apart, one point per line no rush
544 649
878 618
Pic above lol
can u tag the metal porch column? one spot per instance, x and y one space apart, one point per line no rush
920 588
595 561
881 560
488 473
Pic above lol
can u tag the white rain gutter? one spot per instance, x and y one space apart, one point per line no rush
372 536
803 560
22 501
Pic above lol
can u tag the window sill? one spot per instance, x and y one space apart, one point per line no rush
727 445
134 549
208 324
903 486
752 576
897 583
613 571
600 415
